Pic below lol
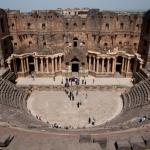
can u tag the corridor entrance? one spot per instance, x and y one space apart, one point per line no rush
75 65
119 64
31 64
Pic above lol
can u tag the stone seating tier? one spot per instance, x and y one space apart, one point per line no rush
11 95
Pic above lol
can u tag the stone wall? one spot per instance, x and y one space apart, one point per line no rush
98 42
6 47
97 31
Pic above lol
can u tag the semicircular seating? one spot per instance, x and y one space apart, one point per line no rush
11 95
137 96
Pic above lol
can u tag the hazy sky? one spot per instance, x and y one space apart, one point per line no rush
28 5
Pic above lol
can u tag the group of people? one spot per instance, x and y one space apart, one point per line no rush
70 81
70 94
92 120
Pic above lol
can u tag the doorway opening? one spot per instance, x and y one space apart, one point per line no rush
75 64
31 64
75 67
119 64
75 42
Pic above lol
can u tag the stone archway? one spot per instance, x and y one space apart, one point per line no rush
75 64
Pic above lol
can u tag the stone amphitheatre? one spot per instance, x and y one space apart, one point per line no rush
74 79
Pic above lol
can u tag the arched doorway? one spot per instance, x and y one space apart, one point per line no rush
75 64
31 64
75 42
119 64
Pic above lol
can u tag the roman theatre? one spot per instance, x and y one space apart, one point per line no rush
75 76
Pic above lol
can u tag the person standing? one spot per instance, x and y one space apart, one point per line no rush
89 120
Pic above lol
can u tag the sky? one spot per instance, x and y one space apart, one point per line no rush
28 5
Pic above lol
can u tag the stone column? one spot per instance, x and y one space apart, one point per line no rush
41 64
60 63
47 65
22 68
141 64
27 63
89 63
24 65
97 65
114 63
108 64
128 63
52 65
122 68
103 65
94 64
55 64
36 65
9 65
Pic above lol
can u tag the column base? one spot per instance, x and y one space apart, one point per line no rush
100 74
22 74
48 74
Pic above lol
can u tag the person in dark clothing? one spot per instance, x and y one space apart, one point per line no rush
78 104
89 120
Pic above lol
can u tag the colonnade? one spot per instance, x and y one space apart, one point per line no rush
48 64
126 65
51 64
37 63
107 65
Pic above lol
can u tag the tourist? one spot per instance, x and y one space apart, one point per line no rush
62 81
89 120
86 95
72 97
78 104
32 76
93 123
82 81
53 78
93 80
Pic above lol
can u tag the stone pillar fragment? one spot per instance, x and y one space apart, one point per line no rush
102 65
52 65
47 65
97 65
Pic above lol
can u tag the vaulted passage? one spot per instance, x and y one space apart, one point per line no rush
31 64
119 64
75 64
75 67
